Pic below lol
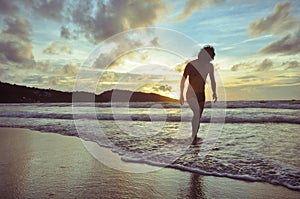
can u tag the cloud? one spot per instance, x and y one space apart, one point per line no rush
181 66
238 66
70 69
34 80
65 33
289 44
16 56
15 44
193 6
247 77
13 51
277 23
48 9
8 7
163 88
259 92
280 22
18 27
108 77
265 65
155 41
53 80
125 48
286 80
43 66
96 20
114 16
56 76
244 65
58 47
291 65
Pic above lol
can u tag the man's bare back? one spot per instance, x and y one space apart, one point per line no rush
197 73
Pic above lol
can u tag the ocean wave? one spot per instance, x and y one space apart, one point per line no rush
285 104
288 177
152 118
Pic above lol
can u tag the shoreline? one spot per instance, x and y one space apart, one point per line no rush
131 165
43 150
247 179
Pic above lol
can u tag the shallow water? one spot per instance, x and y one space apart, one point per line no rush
259 141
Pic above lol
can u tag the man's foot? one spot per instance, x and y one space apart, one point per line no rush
196 140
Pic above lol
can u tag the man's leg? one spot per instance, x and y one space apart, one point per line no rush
197 112
201 107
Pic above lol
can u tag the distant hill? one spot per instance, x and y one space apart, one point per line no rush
22 94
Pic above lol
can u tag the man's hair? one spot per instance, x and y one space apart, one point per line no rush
207 49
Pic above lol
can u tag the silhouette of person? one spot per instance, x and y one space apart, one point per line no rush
197 71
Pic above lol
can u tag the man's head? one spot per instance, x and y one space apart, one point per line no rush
207 52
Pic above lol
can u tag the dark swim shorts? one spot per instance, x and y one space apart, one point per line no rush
200 97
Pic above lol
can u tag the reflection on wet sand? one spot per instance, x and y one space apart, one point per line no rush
41 165
14 163
196 187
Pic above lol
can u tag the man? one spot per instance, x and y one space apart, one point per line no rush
197 71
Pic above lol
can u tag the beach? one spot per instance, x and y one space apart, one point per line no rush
48 165
149 99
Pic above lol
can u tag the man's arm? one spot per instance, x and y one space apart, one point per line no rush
184 76
181 100
213 83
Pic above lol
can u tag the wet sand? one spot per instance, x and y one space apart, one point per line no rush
47 165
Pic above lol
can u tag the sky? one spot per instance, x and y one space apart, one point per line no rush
144 46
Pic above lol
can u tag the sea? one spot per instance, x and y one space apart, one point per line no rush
255 141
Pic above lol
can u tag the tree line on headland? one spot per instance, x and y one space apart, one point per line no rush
11 93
